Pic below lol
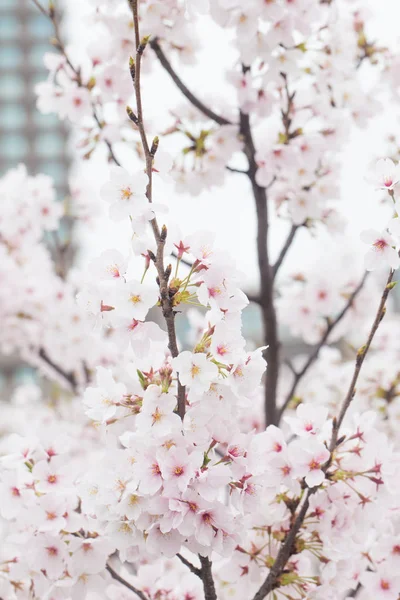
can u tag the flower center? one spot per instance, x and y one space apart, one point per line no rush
133 500
155 469
135 299
222 349
156 415
195 370
380 245
314 465
126 193
113 270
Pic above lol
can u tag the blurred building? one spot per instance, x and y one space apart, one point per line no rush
27 136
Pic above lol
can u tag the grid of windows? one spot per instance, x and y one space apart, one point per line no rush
26 136
39 141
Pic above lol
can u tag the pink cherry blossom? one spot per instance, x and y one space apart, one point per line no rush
308 459
385 174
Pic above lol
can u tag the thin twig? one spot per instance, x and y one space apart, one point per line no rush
183 261
128 585
286 550
51 15
107 143
316 350
361 354
189 565
159 235
183 88
233 170
69 377
41 8
285 249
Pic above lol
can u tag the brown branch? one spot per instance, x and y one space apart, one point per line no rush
285 249
233 170
266 276
286 550
315 352
361 354
354 593
128 585
183 88
68 376
207 579
160 236
265 299
189 565
41 8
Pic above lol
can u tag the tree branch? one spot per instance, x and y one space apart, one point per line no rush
233 170
207 578
68 376
315 352
51 15
285 249
354 593
266 276
361 354
160 236
189 565
121 580
266 273
285 551
271 582
183 88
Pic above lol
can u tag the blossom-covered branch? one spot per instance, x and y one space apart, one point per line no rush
298 375
288 545
159 235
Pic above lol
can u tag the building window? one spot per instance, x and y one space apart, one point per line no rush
26 135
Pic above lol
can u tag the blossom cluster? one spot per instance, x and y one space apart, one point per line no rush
295 75
163 462
40 317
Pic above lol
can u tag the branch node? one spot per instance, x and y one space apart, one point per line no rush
154 146
132 115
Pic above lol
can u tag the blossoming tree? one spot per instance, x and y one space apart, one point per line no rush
212 471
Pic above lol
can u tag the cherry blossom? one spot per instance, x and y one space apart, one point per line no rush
382 252
195 370
385 174
154 461
124 191
308 461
